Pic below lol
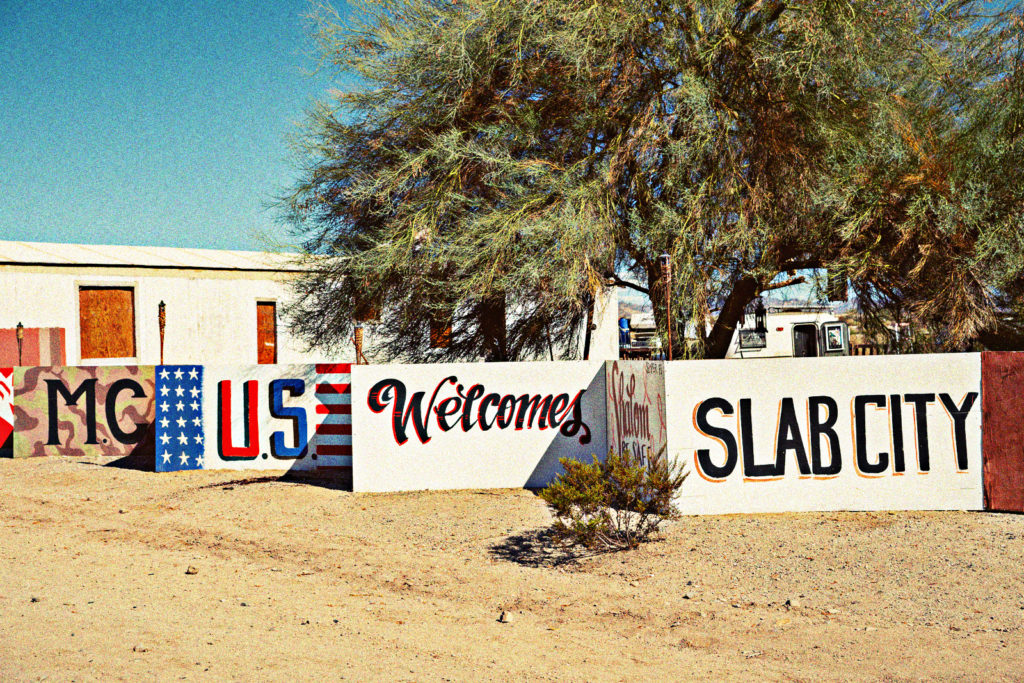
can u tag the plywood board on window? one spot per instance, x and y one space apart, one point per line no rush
107 322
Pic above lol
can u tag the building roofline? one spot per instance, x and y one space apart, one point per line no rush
58 255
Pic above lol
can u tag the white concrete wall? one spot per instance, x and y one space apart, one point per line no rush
463 443
779 393
211 315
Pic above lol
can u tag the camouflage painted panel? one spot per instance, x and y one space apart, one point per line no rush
83 411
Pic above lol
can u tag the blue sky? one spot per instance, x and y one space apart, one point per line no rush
153 123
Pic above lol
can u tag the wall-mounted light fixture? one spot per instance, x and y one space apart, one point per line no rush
760 317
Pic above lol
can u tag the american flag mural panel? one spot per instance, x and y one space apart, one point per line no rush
333 430
260 417
180 437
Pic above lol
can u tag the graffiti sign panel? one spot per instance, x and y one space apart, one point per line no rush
474 425
83 411
637 422
860 433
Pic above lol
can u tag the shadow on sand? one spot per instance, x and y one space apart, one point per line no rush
537 548
335 482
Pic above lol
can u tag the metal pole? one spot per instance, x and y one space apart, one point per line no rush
20 334
666 276
162 317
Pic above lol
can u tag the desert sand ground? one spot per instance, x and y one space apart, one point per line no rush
297 581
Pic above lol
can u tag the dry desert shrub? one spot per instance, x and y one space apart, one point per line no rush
613 505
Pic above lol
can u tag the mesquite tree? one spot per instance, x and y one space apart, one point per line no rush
495 164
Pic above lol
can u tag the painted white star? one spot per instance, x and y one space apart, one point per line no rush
164 390
197 422
198 438
178 391
193 374
179 405
181 421
194 391
166 457
164 407
178 374
164 438
164 374
184 458
182 439
194 405
164 422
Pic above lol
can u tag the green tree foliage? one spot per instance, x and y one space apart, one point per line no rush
613 505
499 162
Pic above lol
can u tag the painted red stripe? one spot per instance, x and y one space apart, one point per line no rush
333 429
334 409
333 449
333 367
333 388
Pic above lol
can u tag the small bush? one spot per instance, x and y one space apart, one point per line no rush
613 505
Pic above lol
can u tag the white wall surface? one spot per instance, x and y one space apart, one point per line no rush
474 457
766 382
211 315
604 342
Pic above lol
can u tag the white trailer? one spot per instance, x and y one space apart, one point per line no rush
791 333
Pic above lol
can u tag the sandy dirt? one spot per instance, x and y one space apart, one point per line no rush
295 581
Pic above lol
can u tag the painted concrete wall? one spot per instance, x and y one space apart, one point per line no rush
846 433
473 425
637 423
860 433
83 411
211 315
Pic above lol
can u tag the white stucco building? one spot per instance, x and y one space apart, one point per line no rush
220 306
97 304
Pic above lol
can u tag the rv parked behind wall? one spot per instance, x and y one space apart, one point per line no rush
792 332
789 332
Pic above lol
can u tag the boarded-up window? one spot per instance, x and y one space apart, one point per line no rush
266 332
107 322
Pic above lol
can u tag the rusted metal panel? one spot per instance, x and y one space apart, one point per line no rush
1002 391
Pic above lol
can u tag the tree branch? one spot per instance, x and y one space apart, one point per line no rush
625 283
785 283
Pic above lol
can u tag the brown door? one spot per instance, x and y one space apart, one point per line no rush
266 332
107 322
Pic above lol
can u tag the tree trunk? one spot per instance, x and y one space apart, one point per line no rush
743 292
492 328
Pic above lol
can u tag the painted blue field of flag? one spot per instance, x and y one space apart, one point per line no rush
180 440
